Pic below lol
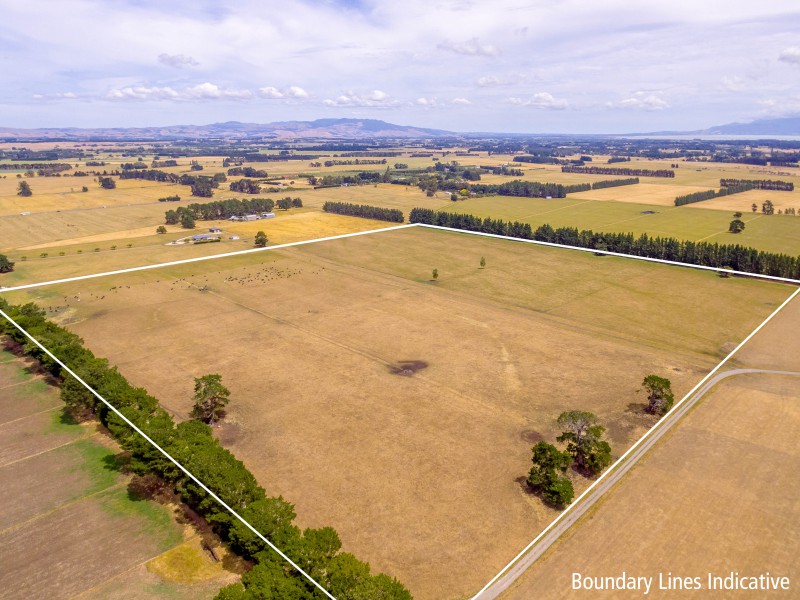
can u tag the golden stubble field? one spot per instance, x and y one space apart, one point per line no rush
718 494
421 474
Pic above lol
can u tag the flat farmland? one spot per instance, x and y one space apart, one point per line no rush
776 233
80 257
68 524
717 494
399 410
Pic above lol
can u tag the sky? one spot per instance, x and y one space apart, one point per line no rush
554 66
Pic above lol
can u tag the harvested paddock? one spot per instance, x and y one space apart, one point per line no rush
68 524
421 473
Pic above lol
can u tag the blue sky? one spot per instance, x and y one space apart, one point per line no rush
568 66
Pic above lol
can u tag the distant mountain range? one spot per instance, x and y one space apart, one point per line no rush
759 127
320 129
338 129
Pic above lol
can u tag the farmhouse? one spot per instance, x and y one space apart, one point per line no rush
251 218
267 215
214 230
204 237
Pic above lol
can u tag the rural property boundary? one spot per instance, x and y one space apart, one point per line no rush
615 468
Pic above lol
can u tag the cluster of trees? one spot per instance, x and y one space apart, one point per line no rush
585 449
202 185
174 198
735 256
597 185
619 159
220 209
503 170
248 172
619 171
6 266
287 203
107 183
529 189
192 444
132 166
364 210
759 184
336 180
245 186
156 164
538 159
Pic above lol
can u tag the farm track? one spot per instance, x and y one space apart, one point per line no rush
547 541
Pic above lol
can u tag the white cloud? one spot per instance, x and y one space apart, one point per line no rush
202 91
273 93
460 102
376 98
472 47
427 102
488 81
295 91
270 92
541 100
733 84
141 92
211 91
790 55
642 101
177 61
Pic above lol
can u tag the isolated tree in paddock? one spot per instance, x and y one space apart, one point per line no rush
187 220
736 226
107 183
161 229
659 394
24 189
435 274
768 208
297 203
583 435
210 398
261 239
6 266
737 215
754 207
547 478
483 262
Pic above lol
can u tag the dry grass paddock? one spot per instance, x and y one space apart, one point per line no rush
718 494
419 471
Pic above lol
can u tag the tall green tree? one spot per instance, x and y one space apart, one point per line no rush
187 220
210 398
659 394
736 226
107 183
6 266
261 239
546 476
584 438
24 189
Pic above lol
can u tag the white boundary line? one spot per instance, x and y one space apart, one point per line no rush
405 226
201 258
620 254
169 457
632 448
396 227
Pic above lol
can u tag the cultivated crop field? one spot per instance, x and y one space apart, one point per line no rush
719 493
402 410
68 524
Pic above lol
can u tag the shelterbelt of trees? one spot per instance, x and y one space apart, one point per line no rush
709 194
221 209
534 189
364 210
734 256
192 444
202 185
618 171
759 184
